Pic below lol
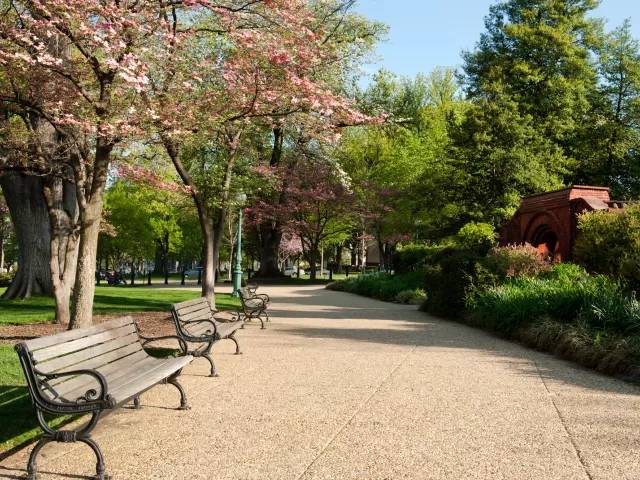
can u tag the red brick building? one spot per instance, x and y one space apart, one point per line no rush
549 220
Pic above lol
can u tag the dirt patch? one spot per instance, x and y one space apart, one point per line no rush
152 324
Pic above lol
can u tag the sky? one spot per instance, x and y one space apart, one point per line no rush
429 33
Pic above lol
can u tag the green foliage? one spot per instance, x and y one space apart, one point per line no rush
477 237
6 278
382 286
454 279
414 257
610 150
538 55
566 293
516 261
412 297
610 244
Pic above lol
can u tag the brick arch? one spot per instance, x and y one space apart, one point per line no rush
546 232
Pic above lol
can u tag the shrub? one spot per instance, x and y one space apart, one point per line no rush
516 261
566 293
414 257
477 237
382 286
456 278
6 278
610 244
413 297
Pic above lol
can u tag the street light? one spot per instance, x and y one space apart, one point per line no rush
417 223
241 198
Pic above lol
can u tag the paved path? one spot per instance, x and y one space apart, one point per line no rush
344 387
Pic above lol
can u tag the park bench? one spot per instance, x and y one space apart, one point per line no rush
254 305
92 371
196 322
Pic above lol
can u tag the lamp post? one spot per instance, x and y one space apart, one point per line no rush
417 224
237 269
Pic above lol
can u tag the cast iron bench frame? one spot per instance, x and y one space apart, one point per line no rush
70 373
254 305
196 322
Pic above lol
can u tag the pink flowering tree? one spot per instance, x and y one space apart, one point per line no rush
261 74
319 206
70 74
290 249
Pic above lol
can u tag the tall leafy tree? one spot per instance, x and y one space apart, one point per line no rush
537 54
612 141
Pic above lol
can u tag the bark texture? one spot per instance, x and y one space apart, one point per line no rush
90 202
60 197
28 210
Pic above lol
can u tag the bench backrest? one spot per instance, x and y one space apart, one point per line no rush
106 345
190 311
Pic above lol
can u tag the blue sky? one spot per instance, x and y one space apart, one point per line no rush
429 33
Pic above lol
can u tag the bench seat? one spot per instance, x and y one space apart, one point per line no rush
93 371
197 323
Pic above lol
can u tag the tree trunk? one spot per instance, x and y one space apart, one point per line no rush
363 255
339 258
382 252
90 217
208 270
224 204
2 227
313 256
28 210
267 239
62 208
268 236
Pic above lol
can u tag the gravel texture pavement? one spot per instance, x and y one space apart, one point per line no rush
345 387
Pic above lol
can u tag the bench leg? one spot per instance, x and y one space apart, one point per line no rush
213 366
267 315
232 337
66 436
136 403
32 466
173 380
100 468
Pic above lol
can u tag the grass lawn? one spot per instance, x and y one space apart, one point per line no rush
17 417
122 299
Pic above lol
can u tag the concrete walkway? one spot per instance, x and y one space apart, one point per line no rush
344 387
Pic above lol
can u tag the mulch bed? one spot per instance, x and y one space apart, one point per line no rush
152 324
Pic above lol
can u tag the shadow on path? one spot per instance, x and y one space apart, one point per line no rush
421 330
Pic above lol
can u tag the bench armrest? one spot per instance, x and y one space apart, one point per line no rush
98 400
204 320
253 299
181 342
263 296
236 314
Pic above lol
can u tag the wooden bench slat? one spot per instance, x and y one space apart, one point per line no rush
42 342
127 391
121 377
196 306
199 329
188 303
82 343
111 372
79 359
197 315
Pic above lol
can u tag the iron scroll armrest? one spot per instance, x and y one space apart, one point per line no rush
252 299
204 320
262 296
181 342
90 401
234 313
252 287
